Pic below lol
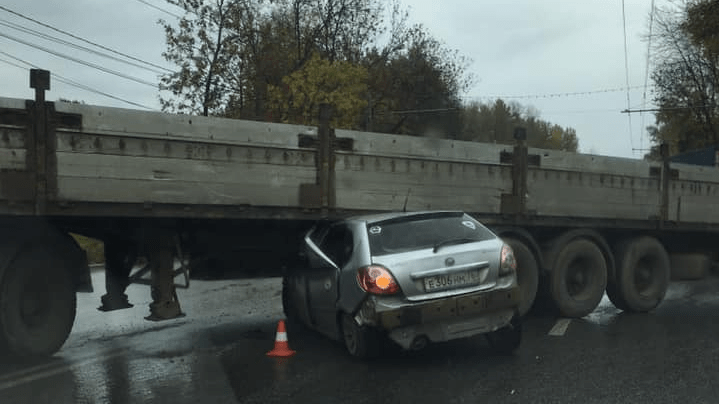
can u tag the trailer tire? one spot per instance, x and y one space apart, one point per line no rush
643 273
614 295
578 279
37 305
527 274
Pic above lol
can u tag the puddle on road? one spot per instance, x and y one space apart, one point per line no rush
678 291
258 334
604 314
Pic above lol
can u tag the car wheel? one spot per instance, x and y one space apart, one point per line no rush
527 274
643 273
360 341
289 305
578 279
507 339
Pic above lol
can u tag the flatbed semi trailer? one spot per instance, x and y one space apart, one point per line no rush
199 190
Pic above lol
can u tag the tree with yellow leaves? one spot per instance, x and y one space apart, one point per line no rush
340 84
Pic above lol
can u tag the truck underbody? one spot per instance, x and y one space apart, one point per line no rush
221 197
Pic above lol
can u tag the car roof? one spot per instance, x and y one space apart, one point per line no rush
379 217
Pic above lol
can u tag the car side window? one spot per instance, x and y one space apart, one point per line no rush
338 244
319 232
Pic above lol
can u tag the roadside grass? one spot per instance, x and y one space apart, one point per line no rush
94 248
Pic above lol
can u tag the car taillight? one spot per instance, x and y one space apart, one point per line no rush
507 262
377 280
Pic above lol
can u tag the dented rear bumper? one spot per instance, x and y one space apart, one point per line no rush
440 319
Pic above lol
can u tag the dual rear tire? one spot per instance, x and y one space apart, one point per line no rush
578 279
580 275
642 275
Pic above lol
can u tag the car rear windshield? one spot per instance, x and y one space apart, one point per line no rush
416 232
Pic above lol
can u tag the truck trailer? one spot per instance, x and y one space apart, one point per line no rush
208 192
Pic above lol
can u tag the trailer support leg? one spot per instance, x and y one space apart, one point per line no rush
165 304
119 260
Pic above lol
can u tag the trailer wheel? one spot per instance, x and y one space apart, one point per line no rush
614 295
37 305
578 279
643 273
527 274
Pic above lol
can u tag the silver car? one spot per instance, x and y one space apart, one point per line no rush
413 277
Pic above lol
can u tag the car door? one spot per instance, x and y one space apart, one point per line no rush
299 279
326 261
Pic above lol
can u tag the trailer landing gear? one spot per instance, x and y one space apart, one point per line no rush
165 305
119 259
160 251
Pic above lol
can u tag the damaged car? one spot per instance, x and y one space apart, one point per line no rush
414 278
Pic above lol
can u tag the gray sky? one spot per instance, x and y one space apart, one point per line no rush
538 53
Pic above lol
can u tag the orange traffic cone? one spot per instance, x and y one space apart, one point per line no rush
282 348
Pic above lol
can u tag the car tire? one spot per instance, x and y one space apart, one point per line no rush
527 274
643 272
289 305
38 305
578 279
506 340
361 341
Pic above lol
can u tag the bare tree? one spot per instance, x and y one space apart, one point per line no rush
685 55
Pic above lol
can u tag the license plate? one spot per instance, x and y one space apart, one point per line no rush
451 281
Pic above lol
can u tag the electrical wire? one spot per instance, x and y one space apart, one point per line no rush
556 95
646 72
679 108
71 82
160 9
81 39
78 47
423 111
79 61
626 73
11 63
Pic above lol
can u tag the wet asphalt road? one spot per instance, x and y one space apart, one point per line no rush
216 354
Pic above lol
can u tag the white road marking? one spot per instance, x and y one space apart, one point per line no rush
64 359
560 327
44 371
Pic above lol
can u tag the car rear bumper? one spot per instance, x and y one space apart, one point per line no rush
442 319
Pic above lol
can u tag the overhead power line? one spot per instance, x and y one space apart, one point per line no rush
558 95
79 47
626 73
423 111
160 9
632 111
11 63
646 69
70 82
80 61
82 39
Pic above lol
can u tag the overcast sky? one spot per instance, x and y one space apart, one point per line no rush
566 58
